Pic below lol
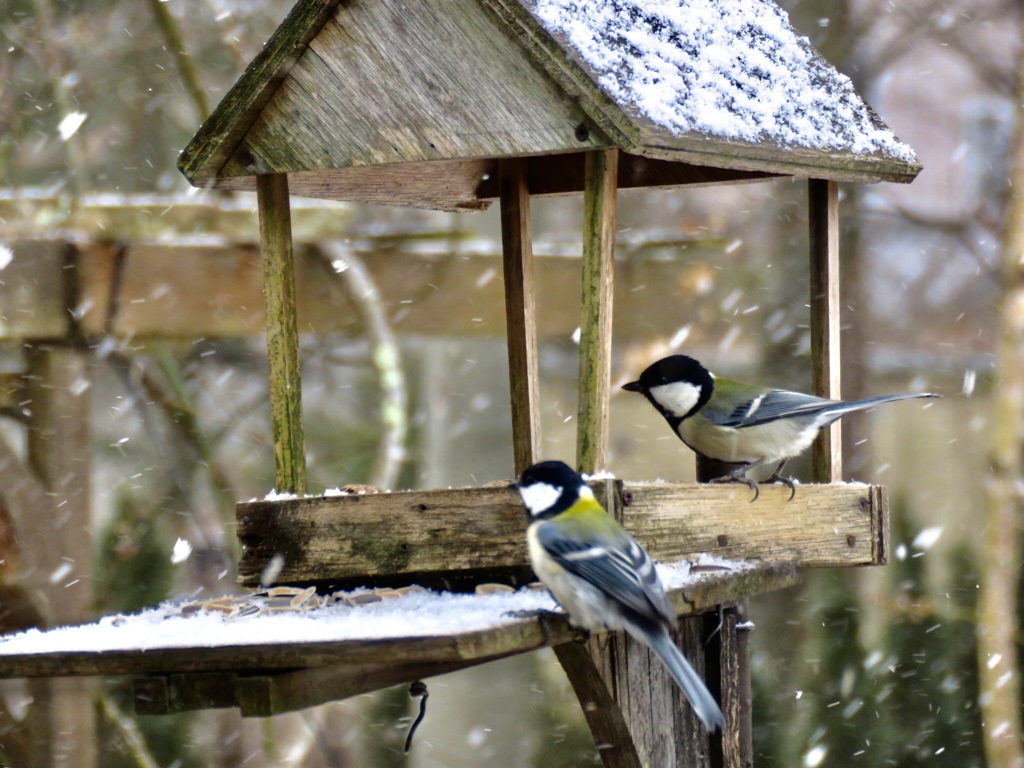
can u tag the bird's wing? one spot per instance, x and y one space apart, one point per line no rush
621 570
770 406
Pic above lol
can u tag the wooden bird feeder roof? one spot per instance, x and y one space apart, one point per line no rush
413 104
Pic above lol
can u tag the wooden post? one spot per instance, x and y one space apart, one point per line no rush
823 214
56 543
520 314
282 333
634 710
600 185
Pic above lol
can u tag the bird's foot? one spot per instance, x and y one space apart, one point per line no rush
789 482
580 635
739 476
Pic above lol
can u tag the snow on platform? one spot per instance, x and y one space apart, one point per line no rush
420 626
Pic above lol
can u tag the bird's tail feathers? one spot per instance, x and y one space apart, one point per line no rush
689 681
841 409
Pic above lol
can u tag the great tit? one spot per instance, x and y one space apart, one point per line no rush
741 423
600 575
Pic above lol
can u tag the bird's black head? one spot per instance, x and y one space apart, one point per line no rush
549 488
668 384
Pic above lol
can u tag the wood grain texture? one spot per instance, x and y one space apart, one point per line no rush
563 174
202 159
637 714
472 185
824 526
520 314
823 217
512 636
604 716
441 185
398 537
599 206
282 334
423 80
729 673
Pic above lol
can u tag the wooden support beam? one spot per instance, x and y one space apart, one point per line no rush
823 215
282 334
476 534
186 290
596 311
520 314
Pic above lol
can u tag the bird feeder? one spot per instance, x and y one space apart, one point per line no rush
452 105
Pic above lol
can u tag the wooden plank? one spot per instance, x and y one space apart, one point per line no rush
395 538
604 716
282 335
824 525
512 636
185 290
201 160
563 174
469 185
520 314
133 220
596 311
266 695
441 185
414 532
657 143
823 216
425 80
736 693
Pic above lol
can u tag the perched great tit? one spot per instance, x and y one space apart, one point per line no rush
600 575
735 422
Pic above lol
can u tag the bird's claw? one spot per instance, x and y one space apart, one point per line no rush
739 476
786 481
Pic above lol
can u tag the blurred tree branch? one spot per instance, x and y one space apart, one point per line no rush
386 358
186 68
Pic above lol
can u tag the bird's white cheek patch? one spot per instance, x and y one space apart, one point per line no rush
539 497
678 397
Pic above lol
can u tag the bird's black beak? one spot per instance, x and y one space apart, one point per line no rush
633 386
513 486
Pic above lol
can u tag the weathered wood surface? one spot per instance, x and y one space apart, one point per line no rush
825 525
520 315
424 80
823 218
513 636
392 537
220 134
265 694
472 185
282 335
188 290
736 694
595 368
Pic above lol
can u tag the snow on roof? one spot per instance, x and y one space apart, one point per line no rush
731 69
416 614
